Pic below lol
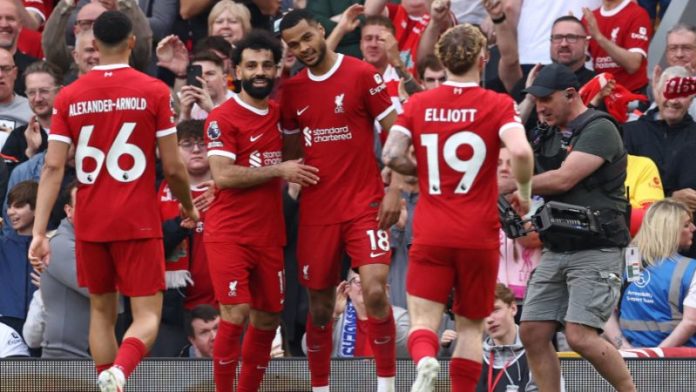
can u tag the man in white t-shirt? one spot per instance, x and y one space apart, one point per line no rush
11 344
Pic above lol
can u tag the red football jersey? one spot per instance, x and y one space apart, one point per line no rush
114 115
455 131
629 27
335 114
408 33
201 291
251 137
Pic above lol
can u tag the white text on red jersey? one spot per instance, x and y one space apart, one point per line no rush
449 115
107 105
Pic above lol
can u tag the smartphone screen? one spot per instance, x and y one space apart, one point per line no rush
193 72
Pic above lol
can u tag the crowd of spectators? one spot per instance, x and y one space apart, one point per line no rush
46 45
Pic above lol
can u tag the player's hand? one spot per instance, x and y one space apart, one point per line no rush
592 26
186 101
686 196
299 173
39 252
349 18
172 55
341 298
190 217
33 136
448 336
519 204
204 200
69 3
389 209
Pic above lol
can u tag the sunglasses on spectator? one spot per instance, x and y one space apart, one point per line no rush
188 145
571 38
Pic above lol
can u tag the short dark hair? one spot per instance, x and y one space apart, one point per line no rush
112 27
568 18
429 61
258 40
207 55
65 195
213 42
22 194
294 17
379 20
204 312
190 129
43 67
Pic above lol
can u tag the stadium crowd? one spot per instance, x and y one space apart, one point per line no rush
390 58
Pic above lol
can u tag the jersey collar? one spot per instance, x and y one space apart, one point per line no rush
260 112
109 67
615 11
321 78
460 84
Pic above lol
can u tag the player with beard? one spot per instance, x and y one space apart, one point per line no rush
328 112
245 230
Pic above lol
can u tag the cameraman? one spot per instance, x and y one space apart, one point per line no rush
579 160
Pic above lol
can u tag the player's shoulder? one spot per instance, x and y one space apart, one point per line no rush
351 64
223 111
297 81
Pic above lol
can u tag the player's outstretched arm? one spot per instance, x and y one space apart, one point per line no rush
395 154
176 174
522 161
49 186
228 175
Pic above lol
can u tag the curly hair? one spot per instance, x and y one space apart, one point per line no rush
459 47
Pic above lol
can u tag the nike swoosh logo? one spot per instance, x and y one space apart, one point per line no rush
383 340
223 362
373 254
255 138
300 111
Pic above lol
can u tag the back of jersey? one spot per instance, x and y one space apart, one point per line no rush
113 115
455 131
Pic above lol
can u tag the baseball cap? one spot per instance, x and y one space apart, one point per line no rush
552 78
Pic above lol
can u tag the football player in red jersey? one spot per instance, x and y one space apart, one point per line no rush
328 112
245 230
456 130
117 117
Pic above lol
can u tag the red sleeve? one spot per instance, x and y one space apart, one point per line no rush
166 124
37 6
377 98
639 32
288 118
509 114
220 136
60 130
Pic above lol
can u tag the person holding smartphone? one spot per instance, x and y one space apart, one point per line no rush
206 87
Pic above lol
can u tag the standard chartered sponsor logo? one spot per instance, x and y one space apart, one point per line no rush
321 135
268 158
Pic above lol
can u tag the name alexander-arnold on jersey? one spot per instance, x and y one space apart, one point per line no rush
107 105
450 115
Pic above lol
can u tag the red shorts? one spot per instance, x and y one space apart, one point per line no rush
247 274
134 268
433 271
319 249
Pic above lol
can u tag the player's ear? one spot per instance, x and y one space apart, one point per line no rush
131 42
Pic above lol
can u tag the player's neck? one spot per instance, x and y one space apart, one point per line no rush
471 76
609 5
257 103
113 58
326 64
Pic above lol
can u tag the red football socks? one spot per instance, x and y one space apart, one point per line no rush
382 335
256 352
464 374
129 355
423 343
101 368
225 355
319 346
